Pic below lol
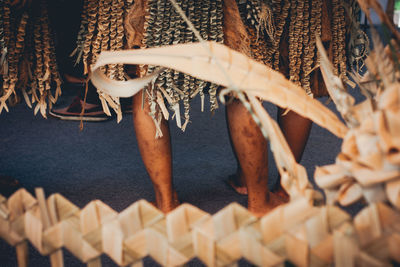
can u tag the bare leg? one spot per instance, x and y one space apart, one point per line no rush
236 180
156 154
296 130
252 154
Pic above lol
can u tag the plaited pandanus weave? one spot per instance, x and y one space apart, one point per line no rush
297 232
296 22
28 59
368 166
164 26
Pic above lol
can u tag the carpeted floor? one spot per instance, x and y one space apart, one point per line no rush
103 162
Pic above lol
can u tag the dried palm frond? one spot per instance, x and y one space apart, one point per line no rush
344 101
368 166
255 78
240 75
293 175
366 5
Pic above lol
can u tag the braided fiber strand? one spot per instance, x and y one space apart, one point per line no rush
279 26
104 28
6 20
46 51
26 60
147 38
40 60
119 38
8 37
178 38
112 68
181 82
342 41
29 66
101 21
307 55
164 26
91 27
335 36
197 20
299 21
358 41
50 65
315 23
19 54
13 58
3 45
16 46
213 35
253 8
31 58
259 29
20 40
165 79
203 32
188 6
83 29
55 75
295 39
218 22
152 37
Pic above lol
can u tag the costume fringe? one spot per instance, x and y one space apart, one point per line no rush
28 62
164 26
302 19
102 28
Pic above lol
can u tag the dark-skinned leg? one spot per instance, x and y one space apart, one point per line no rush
235 180
252 153
296 130
156 154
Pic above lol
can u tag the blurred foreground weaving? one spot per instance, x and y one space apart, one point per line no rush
298 232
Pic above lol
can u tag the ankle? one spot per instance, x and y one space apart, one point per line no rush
166 201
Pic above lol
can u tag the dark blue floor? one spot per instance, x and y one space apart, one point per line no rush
103 162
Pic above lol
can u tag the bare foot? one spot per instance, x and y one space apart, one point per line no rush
273 201
237 183
281 192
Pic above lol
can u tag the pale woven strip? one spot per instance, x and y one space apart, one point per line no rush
297 232
248 75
